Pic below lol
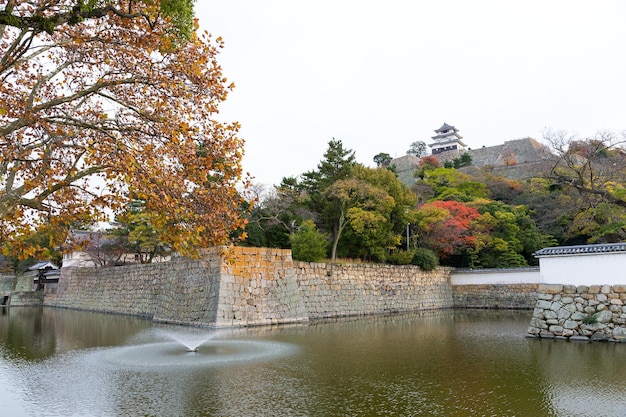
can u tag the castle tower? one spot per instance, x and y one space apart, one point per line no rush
447 139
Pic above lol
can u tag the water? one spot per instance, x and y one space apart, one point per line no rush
443 363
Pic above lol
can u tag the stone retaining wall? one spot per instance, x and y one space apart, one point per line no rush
250 286
26 298
257 287
7 282
510 296
595 312
335 290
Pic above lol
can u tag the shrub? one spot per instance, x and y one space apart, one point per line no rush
426 259
401 257
308 244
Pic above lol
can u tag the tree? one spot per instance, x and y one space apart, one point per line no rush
405 201
427 163
588 178
382 159
49 15
417 148
275 217
464 160
135 234
596 167
308 244
101 100
451 184
360 204
446 227
337 164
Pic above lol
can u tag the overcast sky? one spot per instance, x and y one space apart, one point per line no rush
379 75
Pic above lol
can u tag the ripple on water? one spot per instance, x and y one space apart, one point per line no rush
163 355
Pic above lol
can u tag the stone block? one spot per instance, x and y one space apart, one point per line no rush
556 329
605 289
550 288
556 306
570 324
544 304
620 289
619 333
602 298
569 289
594 289
549 314
563 314
617 302
582 289
533 330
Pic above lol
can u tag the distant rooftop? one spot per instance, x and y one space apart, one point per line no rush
581 249
445 127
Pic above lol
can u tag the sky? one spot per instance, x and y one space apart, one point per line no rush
380 75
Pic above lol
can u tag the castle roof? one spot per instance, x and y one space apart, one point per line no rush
445 127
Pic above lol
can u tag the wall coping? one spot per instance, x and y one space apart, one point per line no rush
494 270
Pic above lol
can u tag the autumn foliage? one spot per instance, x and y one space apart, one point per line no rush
101 110
448 226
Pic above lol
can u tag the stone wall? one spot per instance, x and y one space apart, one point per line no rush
7 282
258 286
239 287
334 290
522 296
250 286
25 298
595 312
132 289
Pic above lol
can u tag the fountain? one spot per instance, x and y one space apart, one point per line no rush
171 347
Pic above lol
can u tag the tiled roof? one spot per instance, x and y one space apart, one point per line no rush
581 249
445 127
43 265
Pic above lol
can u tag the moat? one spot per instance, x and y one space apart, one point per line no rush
57 362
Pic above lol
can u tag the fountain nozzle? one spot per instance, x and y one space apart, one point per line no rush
194 349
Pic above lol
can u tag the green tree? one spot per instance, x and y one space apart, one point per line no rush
506 236
135 234
308 244
274 218
338 164
417 148
382 159
451 184
357 203
405 200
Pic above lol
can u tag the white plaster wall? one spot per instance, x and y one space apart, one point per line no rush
522 276
592 269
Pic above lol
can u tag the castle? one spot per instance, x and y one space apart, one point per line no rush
518 159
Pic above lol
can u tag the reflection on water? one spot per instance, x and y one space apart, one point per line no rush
441 363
